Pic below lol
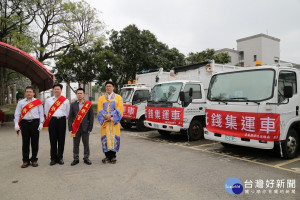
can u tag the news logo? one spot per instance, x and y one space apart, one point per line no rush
233 186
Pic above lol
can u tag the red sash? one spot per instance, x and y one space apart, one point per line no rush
79 117
28 107
52 110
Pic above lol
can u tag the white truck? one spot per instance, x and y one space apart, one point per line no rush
135 97
179 105
255 107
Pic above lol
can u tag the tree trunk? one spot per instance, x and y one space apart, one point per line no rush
14 94
3 85
8 95
90 90
68 92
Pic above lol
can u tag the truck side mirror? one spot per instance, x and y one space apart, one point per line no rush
181 96
191 92
288 91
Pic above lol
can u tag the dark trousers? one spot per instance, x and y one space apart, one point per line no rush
110 154
30 131
85 140
57 135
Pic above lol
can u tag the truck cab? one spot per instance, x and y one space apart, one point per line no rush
255 107
185 93
134 99
168 97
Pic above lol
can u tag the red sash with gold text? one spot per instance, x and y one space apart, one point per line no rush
54 108
28 107
79 117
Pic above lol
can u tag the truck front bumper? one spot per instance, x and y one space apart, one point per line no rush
164 127
238 141
128 121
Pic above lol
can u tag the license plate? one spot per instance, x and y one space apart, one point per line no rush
155 125
230 138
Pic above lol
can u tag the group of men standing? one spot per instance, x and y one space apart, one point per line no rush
30 118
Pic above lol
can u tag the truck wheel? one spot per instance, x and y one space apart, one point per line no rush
196 131
164 133
126 125
290 145
140 126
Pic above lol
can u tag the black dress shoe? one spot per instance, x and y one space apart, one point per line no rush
105 160
34 164
113 161
25 165
61 162
53 162
87 161
75 162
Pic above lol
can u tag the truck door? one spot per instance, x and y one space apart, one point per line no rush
289 114
193 109
287 111
196 93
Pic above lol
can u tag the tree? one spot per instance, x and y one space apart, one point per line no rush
56 26
62 24
15 17
206 55
79 64
135 50
108 66
222 58
199 57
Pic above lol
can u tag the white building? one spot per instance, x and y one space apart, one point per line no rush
260 47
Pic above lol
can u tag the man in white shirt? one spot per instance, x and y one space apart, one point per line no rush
57 124
29 118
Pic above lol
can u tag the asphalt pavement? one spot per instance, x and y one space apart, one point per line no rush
148 167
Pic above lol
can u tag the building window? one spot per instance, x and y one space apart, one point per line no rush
241 56
255 58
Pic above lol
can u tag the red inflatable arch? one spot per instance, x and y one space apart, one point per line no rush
20 61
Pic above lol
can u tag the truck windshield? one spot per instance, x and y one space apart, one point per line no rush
126 94
166 92
256 85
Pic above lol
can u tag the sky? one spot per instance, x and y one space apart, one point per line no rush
196 25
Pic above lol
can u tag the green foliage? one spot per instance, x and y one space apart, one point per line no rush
63 24
222 58
8 109
20 94
95 90
15 17
71 33
208 54
132 50
199 57
82 65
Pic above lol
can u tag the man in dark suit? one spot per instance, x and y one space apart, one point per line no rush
86 125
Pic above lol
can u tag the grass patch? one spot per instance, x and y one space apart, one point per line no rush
9 108
9 111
